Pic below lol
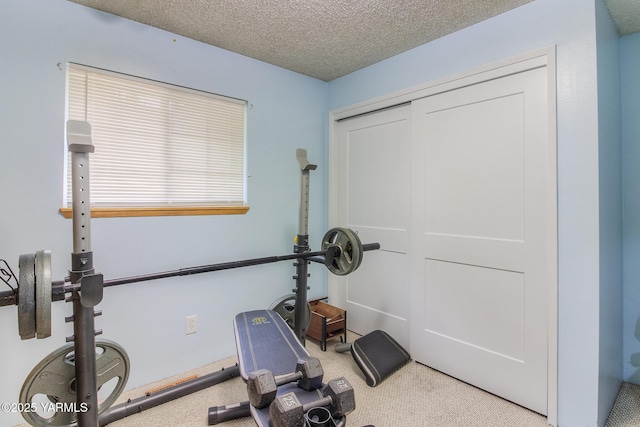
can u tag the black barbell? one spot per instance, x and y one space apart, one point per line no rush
341 252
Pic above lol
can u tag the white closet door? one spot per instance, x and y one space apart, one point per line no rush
373 201
479 234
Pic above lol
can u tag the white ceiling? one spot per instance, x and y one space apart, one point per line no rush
325 39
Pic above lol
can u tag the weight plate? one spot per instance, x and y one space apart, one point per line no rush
54 377
286 308
350 250
43 294
26 297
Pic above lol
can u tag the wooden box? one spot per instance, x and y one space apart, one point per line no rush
327 322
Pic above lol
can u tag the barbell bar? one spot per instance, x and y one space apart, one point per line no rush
341 252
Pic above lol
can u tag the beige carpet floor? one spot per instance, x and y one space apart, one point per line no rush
626 409
414 396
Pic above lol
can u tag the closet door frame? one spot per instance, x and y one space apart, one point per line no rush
537 59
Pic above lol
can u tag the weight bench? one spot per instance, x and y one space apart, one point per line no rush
265 341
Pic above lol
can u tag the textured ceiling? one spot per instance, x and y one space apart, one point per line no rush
325 39
626 15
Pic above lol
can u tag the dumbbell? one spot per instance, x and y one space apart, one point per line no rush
262 385
287 411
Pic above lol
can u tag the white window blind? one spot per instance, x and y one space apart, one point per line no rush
156 144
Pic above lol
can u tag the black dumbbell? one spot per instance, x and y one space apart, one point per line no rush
287 411
262 385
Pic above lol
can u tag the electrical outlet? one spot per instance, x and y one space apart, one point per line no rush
190 324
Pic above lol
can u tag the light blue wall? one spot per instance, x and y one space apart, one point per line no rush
630 71
289 111
610 175
570 25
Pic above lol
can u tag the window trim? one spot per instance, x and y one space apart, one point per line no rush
115 212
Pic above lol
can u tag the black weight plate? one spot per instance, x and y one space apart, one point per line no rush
26 297
350 253
286 308
43 293
54 377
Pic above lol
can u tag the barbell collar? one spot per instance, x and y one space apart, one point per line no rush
370 246
8 298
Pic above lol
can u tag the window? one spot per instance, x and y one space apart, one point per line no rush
159 149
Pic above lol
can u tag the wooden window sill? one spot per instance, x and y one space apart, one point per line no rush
161 211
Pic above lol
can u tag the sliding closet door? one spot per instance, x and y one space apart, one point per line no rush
479 233
373 201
